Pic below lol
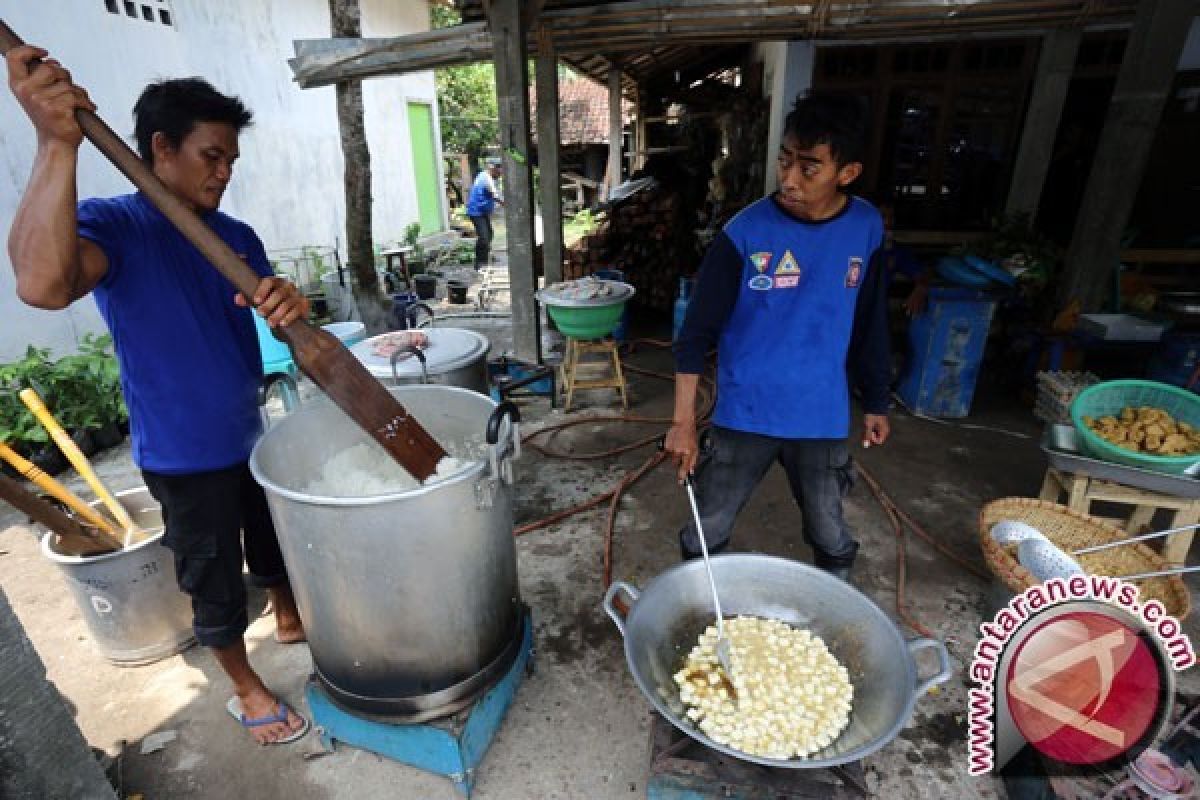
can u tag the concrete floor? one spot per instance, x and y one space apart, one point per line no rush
579 727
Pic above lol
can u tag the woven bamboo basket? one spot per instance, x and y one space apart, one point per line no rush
1071 530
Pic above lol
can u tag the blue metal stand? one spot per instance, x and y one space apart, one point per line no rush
452 747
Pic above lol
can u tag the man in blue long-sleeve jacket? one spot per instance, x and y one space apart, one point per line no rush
793 297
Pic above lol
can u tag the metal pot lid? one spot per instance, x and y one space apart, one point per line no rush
448 349
561 294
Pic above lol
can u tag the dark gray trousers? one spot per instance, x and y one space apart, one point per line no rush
819 471
484 233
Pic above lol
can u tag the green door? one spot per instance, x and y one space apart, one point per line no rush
424 158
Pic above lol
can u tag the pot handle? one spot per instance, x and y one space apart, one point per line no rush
502 456
944 670
505 409
617 609
287 393
412 349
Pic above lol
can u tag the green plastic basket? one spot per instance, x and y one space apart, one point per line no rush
588 322
1108 399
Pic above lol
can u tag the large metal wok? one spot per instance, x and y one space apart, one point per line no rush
665 619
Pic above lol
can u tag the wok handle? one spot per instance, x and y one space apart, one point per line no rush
617 609
944 670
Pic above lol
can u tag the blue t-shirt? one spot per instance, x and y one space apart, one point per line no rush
190 362
791 305
482 199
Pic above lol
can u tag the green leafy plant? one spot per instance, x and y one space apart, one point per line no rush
83 391
412 236
1015 242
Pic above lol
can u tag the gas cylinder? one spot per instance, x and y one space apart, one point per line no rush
681 305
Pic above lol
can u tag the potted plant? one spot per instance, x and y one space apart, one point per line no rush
416 257
18 427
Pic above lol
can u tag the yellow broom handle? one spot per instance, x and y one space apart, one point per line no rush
55 489
65 443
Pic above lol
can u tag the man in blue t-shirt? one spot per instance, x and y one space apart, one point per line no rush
481 202
185 340
793 297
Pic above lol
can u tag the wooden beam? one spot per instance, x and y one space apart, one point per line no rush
641 25
1147 70
550 170
512 101
615 126
1056 63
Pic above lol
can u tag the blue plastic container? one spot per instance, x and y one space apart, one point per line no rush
947 342
517 370
956 270
622 330
681 306
276 356
1176 360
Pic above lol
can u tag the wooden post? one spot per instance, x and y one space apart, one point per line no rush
614 125
548 157
1147 70
639 134
1055 65
464 174
512 100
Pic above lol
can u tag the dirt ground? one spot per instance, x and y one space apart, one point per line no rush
579 727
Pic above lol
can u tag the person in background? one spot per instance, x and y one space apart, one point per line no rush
903 267
185 342
900 262
481 202
792 295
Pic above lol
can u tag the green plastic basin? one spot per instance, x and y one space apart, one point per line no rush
594 322
1109 398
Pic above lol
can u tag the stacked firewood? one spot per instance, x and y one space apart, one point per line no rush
646 237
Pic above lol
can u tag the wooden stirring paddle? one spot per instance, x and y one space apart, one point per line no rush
73 539
32 473
33 401
318 353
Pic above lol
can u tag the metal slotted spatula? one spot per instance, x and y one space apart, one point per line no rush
1046 560
724 656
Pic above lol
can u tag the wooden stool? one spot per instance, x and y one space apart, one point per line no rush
1082 491
578 373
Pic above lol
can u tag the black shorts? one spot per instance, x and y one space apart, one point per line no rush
206 515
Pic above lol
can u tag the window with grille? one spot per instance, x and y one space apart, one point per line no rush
155 11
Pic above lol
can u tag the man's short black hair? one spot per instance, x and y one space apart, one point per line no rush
175 106
837 120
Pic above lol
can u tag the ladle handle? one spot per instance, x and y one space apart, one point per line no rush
944 672
611 603
1172 571
1109 545
712 583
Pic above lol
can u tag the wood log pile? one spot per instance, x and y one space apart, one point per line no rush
649 239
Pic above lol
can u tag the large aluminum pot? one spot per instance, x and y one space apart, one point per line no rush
453 357
409 600
129 599
664 621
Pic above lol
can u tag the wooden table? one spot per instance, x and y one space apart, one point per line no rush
1083 490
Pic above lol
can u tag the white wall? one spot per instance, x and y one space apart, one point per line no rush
787 71
288 182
